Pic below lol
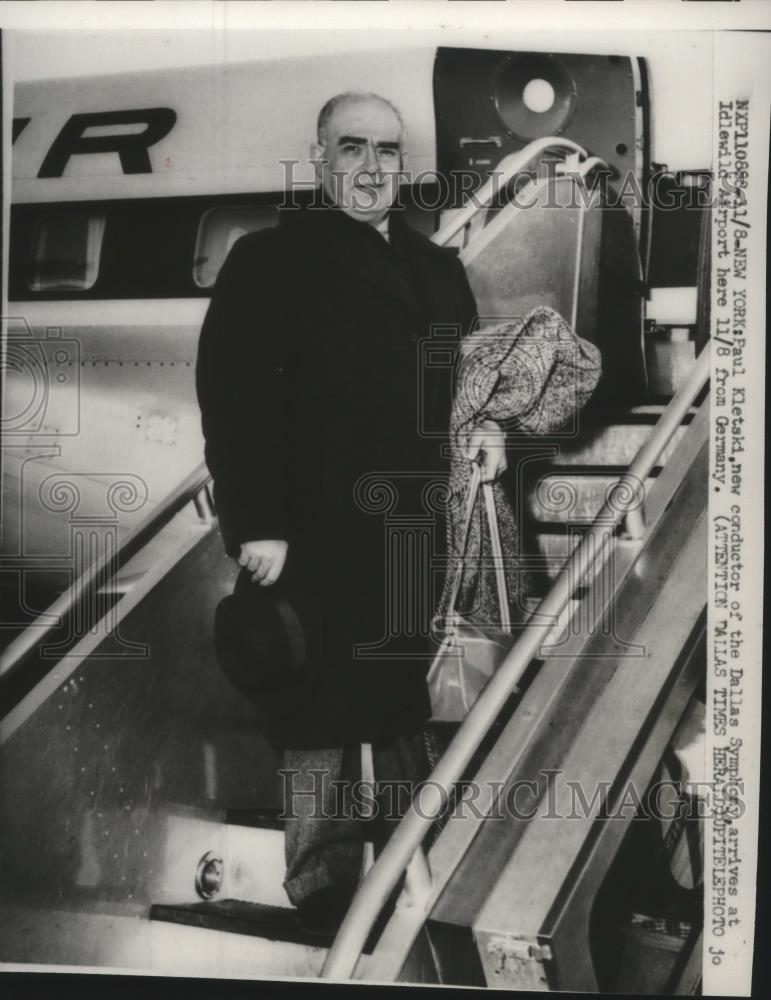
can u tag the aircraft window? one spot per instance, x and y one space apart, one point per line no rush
218 231
65 252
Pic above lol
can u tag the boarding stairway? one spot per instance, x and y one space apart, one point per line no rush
162 846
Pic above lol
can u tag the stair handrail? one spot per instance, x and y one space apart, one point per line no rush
406 839
191 489
507 168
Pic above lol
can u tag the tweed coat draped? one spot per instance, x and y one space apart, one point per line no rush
315 412
532 376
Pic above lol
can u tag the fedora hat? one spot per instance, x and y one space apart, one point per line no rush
259 639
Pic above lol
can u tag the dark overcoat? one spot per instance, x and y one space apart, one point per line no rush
322 421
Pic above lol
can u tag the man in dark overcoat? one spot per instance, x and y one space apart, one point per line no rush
308 377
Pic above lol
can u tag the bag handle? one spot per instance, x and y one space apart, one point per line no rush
495 545
497 552
473 489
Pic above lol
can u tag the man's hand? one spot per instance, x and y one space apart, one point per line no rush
487 444
264 559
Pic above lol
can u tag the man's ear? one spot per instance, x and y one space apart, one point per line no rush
317 157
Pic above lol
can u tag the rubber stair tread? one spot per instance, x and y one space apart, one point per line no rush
264 818
235 916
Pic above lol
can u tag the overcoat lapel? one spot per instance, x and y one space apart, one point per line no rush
355 248
440 317
433 289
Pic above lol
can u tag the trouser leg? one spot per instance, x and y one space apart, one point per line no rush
400 767
323 842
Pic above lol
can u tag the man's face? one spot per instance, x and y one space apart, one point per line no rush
363 150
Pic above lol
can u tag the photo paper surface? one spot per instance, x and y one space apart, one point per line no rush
382 493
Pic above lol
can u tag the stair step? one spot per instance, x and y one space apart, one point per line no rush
120 936
554 549
261 819
567 497
178 947
615 445
651 412
234 916
254 865
249 842
264 818
275 923
669 363
252 856
254 861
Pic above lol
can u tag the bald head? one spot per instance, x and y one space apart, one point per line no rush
358 154
352 97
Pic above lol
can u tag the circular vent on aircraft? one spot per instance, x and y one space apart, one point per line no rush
534 95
